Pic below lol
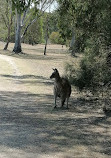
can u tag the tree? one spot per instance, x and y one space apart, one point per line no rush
7 18
47 34
21 8
93 27
35 33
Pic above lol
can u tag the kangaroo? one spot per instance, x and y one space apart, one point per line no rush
62 88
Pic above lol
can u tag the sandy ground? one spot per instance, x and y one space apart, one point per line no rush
30 127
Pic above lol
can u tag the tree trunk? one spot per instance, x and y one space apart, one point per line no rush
8 22
6 46
72 43
45 45
8 38
17 46
47 36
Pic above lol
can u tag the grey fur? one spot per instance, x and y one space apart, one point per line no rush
62 88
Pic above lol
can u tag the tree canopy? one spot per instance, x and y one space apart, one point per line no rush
21 9
85 26
91 21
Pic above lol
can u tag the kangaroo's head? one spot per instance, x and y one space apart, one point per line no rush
55 74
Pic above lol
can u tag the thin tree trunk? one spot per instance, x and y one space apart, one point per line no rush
8 38
8 23
45 45
17 46
6 45
47 36
72 43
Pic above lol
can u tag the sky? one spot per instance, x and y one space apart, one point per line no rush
52 7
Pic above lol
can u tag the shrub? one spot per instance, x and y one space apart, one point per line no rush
55 38
94 72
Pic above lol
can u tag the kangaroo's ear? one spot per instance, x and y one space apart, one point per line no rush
56 70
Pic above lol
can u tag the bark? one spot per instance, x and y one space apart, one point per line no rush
47 36
17 46
9 31
45 45
6 45
8 38
18 37
34 20
72 43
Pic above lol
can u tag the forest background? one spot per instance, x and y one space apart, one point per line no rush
84 27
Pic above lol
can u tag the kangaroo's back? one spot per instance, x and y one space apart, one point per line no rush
66 86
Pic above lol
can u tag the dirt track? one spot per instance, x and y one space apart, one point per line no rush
30 127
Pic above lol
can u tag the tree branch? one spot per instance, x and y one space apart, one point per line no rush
24 16
34 20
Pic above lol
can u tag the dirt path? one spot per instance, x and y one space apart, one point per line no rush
31 128
11 62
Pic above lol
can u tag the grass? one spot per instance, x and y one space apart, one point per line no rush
30 127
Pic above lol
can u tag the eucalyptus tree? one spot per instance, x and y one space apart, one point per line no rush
7 17
21 8
92 24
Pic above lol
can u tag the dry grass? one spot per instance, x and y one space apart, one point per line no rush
30 127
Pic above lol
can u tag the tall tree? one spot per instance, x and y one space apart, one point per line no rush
92 24
21 8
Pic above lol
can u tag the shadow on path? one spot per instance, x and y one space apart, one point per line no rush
32 79
29 122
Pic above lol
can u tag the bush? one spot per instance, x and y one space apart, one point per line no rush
94 72
55 38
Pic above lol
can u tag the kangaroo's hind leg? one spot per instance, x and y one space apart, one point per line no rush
55 98
67 99
62 102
